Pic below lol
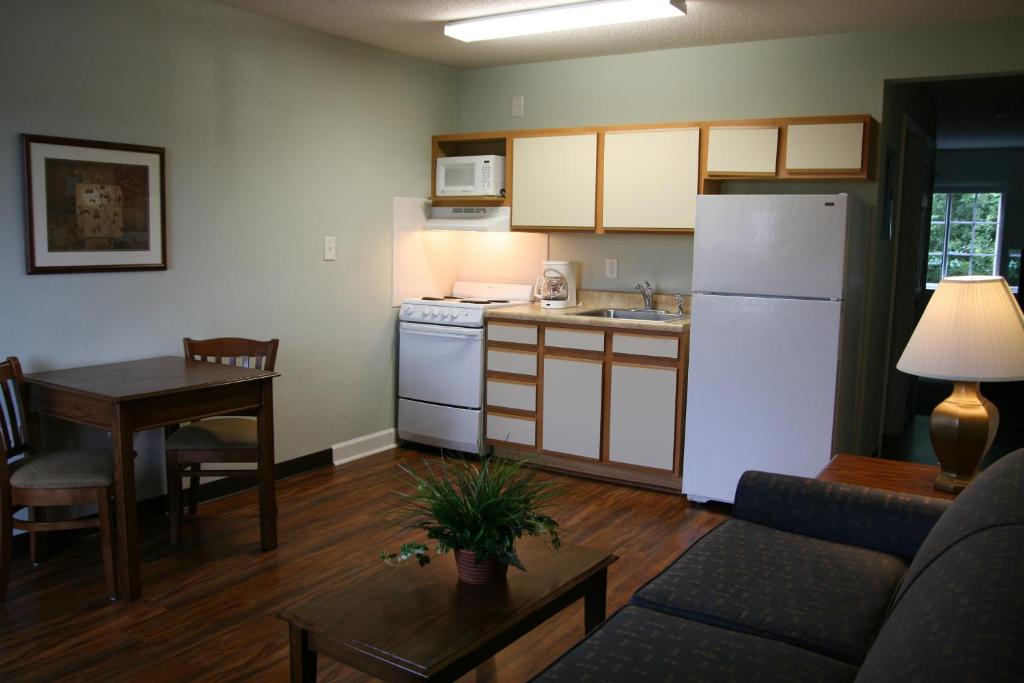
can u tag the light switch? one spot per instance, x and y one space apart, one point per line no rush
518 103
611 268
330 248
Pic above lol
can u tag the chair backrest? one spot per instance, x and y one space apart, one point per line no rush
14 436
246 353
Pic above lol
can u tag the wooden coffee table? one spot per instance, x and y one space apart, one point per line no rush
412 623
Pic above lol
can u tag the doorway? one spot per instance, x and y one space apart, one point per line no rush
958 210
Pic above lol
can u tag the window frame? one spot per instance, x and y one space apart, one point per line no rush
997 265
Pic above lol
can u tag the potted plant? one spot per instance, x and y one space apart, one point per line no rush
479 511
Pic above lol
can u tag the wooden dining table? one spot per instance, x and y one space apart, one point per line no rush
132 396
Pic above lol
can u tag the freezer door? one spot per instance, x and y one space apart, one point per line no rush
761 390
774 245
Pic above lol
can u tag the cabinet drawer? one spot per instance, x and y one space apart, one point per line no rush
516 362
516 334
824 147
514 430
645 345
518 395
584 340
742 151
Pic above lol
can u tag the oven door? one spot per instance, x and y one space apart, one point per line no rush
441 364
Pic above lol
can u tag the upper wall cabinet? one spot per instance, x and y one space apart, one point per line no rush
742 150
650 179
554 181
826 147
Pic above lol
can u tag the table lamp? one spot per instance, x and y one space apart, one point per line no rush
972 331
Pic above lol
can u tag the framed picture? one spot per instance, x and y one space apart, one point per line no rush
93 206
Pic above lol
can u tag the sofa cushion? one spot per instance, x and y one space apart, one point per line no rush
993 498
824 596
962 619
642 645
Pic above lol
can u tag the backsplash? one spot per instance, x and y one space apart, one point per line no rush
665 260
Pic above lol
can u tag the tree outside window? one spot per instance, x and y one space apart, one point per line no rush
964 236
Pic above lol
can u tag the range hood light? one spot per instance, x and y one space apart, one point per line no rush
561 18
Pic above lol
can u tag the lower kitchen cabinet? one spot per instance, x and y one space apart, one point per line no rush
572 406
599 401
642 418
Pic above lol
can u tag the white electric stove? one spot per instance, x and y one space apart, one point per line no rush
441 363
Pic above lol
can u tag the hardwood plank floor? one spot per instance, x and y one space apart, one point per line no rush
208 607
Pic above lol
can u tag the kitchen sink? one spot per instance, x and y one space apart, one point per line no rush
632 314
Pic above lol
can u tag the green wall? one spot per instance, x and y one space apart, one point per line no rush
833 74
276 135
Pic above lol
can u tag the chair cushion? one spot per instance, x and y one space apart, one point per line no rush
215 434
961 620
72 469
825 596
642 645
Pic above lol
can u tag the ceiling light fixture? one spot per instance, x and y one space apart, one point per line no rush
563 17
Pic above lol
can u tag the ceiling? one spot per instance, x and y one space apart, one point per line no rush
413 27
978 113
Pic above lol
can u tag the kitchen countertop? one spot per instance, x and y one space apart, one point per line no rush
592 300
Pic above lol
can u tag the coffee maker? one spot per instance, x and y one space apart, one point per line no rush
556 286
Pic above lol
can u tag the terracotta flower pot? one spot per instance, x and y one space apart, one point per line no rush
479 574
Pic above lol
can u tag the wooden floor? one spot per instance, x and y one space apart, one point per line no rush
208 607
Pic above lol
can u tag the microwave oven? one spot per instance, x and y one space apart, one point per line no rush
475 176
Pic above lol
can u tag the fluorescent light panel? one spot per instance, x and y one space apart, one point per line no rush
564 17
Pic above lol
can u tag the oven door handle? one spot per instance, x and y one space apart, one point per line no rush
442 331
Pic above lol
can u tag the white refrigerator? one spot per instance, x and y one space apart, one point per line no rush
778 286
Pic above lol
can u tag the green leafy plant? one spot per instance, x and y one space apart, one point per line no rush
479 507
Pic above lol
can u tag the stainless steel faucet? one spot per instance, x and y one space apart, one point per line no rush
679 304
647 292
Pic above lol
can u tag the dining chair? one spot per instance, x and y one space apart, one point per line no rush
34 479
214 440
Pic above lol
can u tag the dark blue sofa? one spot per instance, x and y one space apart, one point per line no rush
815 581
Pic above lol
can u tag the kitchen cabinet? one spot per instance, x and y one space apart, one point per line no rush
572 406
650 179
554 181
742 150
600 400
641 428
825 147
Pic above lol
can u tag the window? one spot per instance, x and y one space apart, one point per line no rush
964 236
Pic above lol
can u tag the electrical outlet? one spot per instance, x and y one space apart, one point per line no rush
611 268
518 104
330 248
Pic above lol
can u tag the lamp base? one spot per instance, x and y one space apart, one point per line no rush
962 429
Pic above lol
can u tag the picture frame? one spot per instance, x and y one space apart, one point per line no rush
93 206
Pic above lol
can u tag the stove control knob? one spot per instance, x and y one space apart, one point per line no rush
434 312
407 309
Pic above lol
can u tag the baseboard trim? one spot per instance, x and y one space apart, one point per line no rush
363 446
211 490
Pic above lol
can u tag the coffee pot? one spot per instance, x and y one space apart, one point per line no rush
556 287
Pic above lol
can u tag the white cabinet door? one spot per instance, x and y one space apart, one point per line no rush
642 427
824 147
650 178
554 181
742 150
572 406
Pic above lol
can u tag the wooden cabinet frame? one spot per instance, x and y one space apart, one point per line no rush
603 468
500 142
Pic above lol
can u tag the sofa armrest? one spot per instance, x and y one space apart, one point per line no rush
894 523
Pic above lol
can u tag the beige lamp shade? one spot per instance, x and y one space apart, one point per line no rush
972 331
